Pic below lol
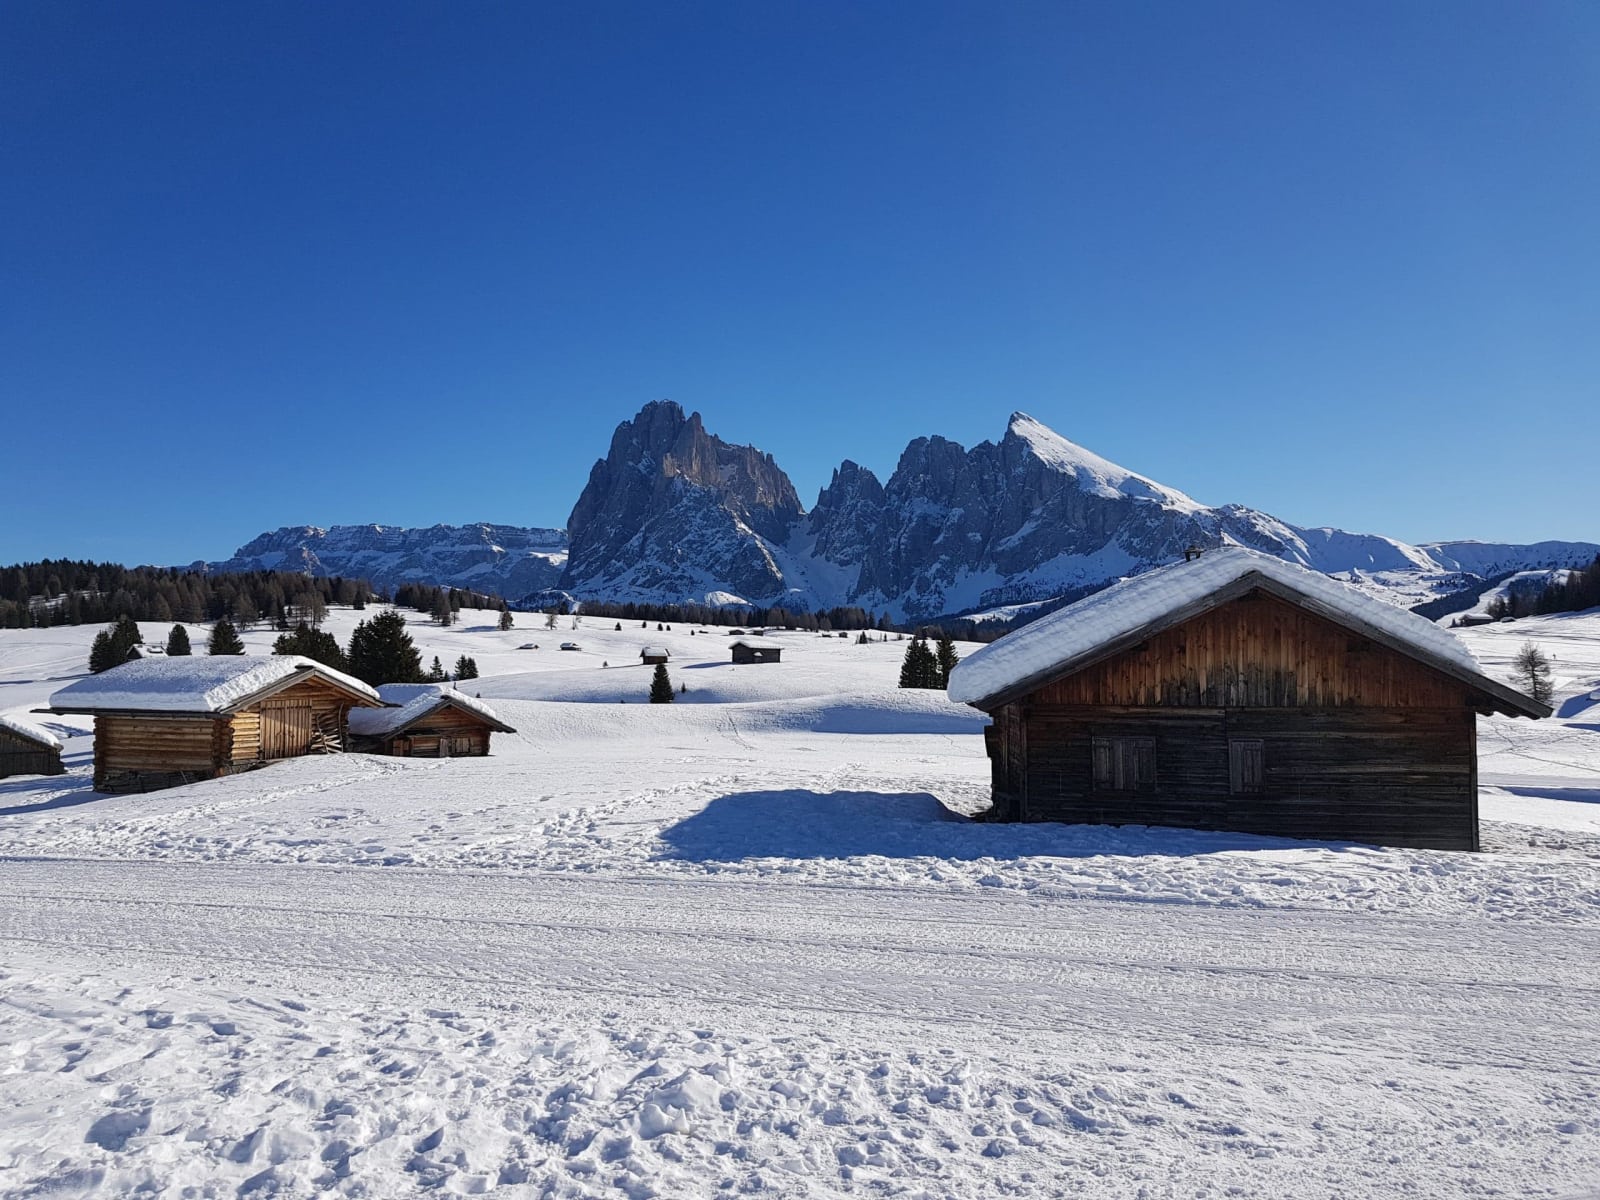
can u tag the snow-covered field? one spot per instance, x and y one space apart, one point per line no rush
748 944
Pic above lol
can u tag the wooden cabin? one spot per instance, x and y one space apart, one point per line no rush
426 720
160 722
1237 691
25 749
652 655
744 652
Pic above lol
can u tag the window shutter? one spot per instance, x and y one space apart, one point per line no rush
1246 766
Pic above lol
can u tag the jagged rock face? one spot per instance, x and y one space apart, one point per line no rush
503 559
674 513
847 515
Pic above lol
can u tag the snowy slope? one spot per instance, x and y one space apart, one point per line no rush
748 944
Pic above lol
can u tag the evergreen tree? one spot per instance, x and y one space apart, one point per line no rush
103 653
919 668
466 668
1531 668
246 611
224 639
381 651
947 658
661 686
506 620
311 643
178 642
436 672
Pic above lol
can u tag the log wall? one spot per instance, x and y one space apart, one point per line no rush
461 734
23 756
134 753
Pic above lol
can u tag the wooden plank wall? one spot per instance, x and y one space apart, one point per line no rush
468 735
1398 777
22 756
1257 652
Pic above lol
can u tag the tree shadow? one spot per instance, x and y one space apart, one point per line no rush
800 824
1575 795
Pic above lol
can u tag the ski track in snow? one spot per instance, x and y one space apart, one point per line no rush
749 945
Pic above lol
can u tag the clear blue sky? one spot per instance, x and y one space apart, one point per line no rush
264 264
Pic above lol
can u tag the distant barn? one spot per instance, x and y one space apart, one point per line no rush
160 722
744 652
1238 692
654 654
25 749
426 720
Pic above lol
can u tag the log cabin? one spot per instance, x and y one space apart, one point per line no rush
161 722
426 720
25 749
1237 691
744 652
652 655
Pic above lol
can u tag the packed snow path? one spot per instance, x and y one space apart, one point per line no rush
1188 1032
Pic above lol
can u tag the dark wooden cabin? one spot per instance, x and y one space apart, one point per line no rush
1238 692
28 750
652 655
744 652
161 722
426 721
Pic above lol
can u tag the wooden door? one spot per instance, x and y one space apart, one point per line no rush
285 728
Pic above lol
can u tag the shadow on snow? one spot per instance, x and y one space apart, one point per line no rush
800 824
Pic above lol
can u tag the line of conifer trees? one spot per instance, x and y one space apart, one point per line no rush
1580 589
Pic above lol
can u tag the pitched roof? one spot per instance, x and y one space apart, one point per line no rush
201 685
30 732
653 651
1123 614
410 702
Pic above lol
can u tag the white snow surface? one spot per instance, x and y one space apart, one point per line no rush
28 729
408 702
197 684
749 944
1131 604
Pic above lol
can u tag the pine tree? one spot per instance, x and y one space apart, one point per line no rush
507 622
661 686
466 668
178 642
224 639
442 612
103 653
919 668
1531 668
381 651
947 658
312 643
436 672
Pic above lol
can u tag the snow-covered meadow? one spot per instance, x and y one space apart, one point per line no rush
748 944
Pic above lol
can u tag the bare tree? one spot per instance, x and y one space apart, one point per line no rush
1531 669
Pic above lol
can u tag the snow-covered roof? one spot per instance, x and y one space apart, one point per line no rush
652 651
410 702
1081 633
194 683
30 731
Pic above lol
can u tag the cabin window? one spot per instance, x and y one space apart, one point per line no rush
1246 766
1124 764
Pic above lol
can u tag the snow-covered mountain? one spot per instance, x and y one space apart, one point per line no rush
675 514
506 560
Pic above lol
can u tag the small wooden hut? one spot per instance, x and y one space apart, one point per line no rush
25 749
744 652
426 720
654 654
160 722
1237 691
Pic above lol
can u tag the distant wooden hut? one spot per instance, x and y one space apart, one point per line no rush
25 749
744 652
654 654
160 722
1238 692
426 720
